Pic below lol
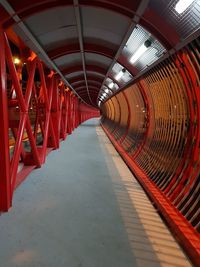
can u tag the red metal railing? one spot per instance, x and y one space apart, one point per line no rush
161 144
37 111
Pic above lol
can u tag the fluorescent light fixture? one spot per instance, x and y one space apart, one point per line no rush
111 85
120 74
182 5
106 90
143 48
138 53
104 94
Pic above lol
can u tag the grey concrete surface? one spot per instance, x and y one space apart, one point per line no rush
84 208
66 214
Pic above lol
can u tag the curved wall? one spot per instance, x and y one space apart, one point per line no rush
154 124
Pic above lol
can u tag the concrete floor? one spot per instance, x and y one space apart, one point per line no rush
84 208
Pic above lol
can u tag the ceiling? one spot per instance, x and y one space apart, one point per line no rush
88 42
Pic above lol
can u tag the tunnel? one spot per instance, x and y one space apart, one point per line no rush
129 69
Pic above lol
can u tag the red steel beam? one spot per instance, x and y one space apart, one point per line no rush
184 232
5 186
56 110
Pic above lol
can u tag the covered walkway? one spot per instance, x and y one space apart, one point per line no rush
84 208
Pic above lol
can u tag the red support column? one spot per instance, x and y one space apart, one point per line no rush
128 119
70 115
72 112
144 95
5 186
55 112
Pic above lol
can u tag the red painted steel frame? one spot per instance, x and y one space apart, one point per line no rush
5 187
185 234
58 113
176 197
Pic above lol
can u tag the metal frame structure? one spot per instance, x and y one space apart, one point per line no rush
161 144
130 14
57 113
156 131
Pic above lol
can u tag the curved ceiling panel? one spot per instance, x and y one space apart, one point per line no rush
68 60
90 83
103 31
73 73
98 60
80 77
54 27
94 41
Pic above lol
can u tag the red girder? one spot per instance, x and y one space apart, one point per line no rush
5 187
55 113
176 196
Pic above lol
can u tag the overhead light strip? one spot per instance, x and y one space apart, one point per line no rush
141 50
182 5
138 14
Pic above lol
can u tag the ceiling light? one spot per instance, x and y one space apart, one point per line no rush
143 48
106 90
104 94
182 5
120 74
111 85
16 60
